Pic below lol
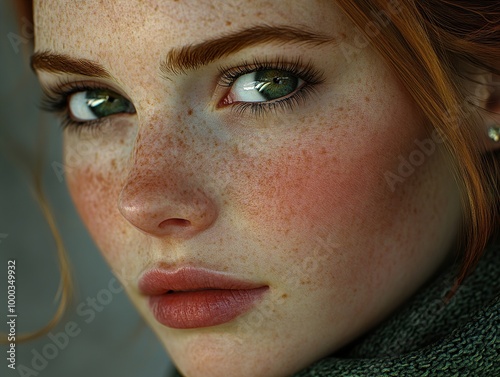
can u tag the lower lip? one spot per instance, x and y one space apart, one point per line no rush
211 307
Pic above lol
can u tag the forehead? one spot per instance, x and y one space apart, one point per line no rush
98 28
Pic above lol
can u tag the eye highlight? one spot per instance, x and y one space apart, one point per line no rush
264 86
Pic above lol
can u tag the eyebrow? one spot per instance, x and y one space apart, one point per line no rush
62 63
180 60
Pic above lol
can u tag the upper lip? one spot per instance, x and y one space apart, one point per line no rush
160 281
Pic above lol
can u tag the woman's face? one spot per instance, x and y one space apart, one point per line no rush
328 192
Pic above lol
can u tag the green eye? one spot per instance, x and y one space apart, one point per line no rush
97 103
264 85
275 84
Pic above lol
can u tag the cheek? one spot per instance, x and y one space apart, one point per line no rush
95 169
327 170
317 208
328 196
95 198
313 183
316 186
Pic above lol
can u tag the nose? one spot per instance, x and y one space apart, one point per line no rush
156 210
162 196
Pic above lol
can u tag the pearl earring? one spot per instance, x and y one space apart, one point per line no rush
494 134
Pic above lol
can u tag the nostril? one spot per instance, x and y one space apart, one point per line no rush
175 222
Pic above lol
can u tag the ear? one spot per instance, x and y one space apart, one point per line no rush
483 91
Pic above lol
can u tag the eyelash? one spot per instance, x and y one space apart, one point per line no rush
56 99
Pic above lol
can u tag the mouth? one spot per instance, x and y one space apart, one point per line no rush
189 297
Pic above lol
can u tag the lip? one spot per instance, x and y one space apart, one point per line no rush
190 297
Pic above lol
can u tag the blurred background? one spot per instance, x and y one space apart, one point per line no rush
109 339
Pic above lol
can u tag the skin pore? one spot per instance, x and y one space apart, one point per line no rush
292 196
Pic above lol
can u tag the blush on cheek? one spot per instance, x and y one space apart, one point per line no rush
314 189
313 203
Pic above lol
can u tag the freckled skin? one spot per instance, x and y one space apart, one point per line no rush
295 199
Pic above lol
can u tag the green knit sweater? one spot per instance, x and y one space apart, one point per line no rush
427 337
